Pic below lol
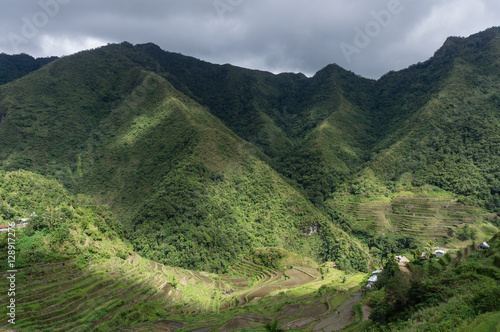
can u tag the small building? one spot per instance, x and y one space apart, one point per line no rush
4 228
377 272
439 253
422 256
373 278
330 265
23 222
484 245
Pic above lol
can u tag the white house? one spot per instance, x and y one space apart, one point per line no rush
439 253
484 245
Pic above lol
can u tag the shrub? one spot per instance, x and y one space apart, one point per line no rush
466 233
487 300
496 260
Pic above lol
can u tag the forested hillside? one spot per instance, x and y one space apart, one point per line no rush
201 162
442 120
13 67
189 191
144 173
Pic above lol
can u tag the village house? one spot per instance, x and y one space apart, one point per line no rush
21 223
484 245
4 228
439 253
373 279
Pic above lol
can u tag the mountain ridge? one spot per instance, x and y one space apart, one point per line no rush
136 122
167 192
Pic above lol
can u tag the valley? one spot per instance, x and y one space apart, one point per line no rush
160 192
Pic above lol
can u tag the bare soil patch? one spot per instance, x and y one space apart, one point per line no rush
366 312
291 310
315 311
203 278
239 324
342 316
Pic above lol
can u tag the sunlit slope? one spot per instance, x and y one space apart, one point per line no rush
194 193
189 190
448 138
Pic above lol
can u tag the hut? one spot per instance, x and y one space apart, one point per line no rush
439 253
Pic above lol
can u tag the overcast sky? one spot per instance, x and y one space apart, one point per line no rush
368 37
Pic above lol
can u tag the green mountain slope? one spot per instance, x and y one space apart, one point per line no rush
13 67
75 272
200 160
443 129
190 191
49 114
258 176
287 116
59 226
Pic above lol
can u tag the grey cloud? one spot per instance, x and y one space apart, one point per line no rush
273 35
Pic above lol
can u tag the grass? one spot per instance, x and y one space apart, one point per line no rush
134 293
426 215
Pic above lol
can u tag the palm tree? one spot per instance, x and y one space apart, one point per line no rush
430 247
273 327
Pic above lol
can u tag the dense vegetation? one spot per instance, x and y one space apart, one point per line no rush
13 67
442 122
59 226
201 162
189 191
223 169
459 293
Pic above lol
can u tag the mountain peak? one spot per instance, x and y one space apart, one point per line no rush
460 46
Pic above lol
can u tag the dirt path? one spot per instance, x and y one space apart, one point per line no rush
402 265
366 312
403 268
342 316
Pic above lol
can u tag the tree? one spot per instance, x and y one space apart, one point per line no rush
273 327
430 247
391 267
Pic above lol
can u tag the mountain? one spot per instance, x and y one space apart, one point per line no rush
188 189
202 188
300 123
445 121
13 67
198 160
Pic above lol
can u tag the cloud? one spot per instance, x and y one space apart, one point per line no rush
67 45
278 35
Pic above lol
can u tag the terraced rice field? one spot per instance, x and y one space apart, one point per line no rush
426 218
140 295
